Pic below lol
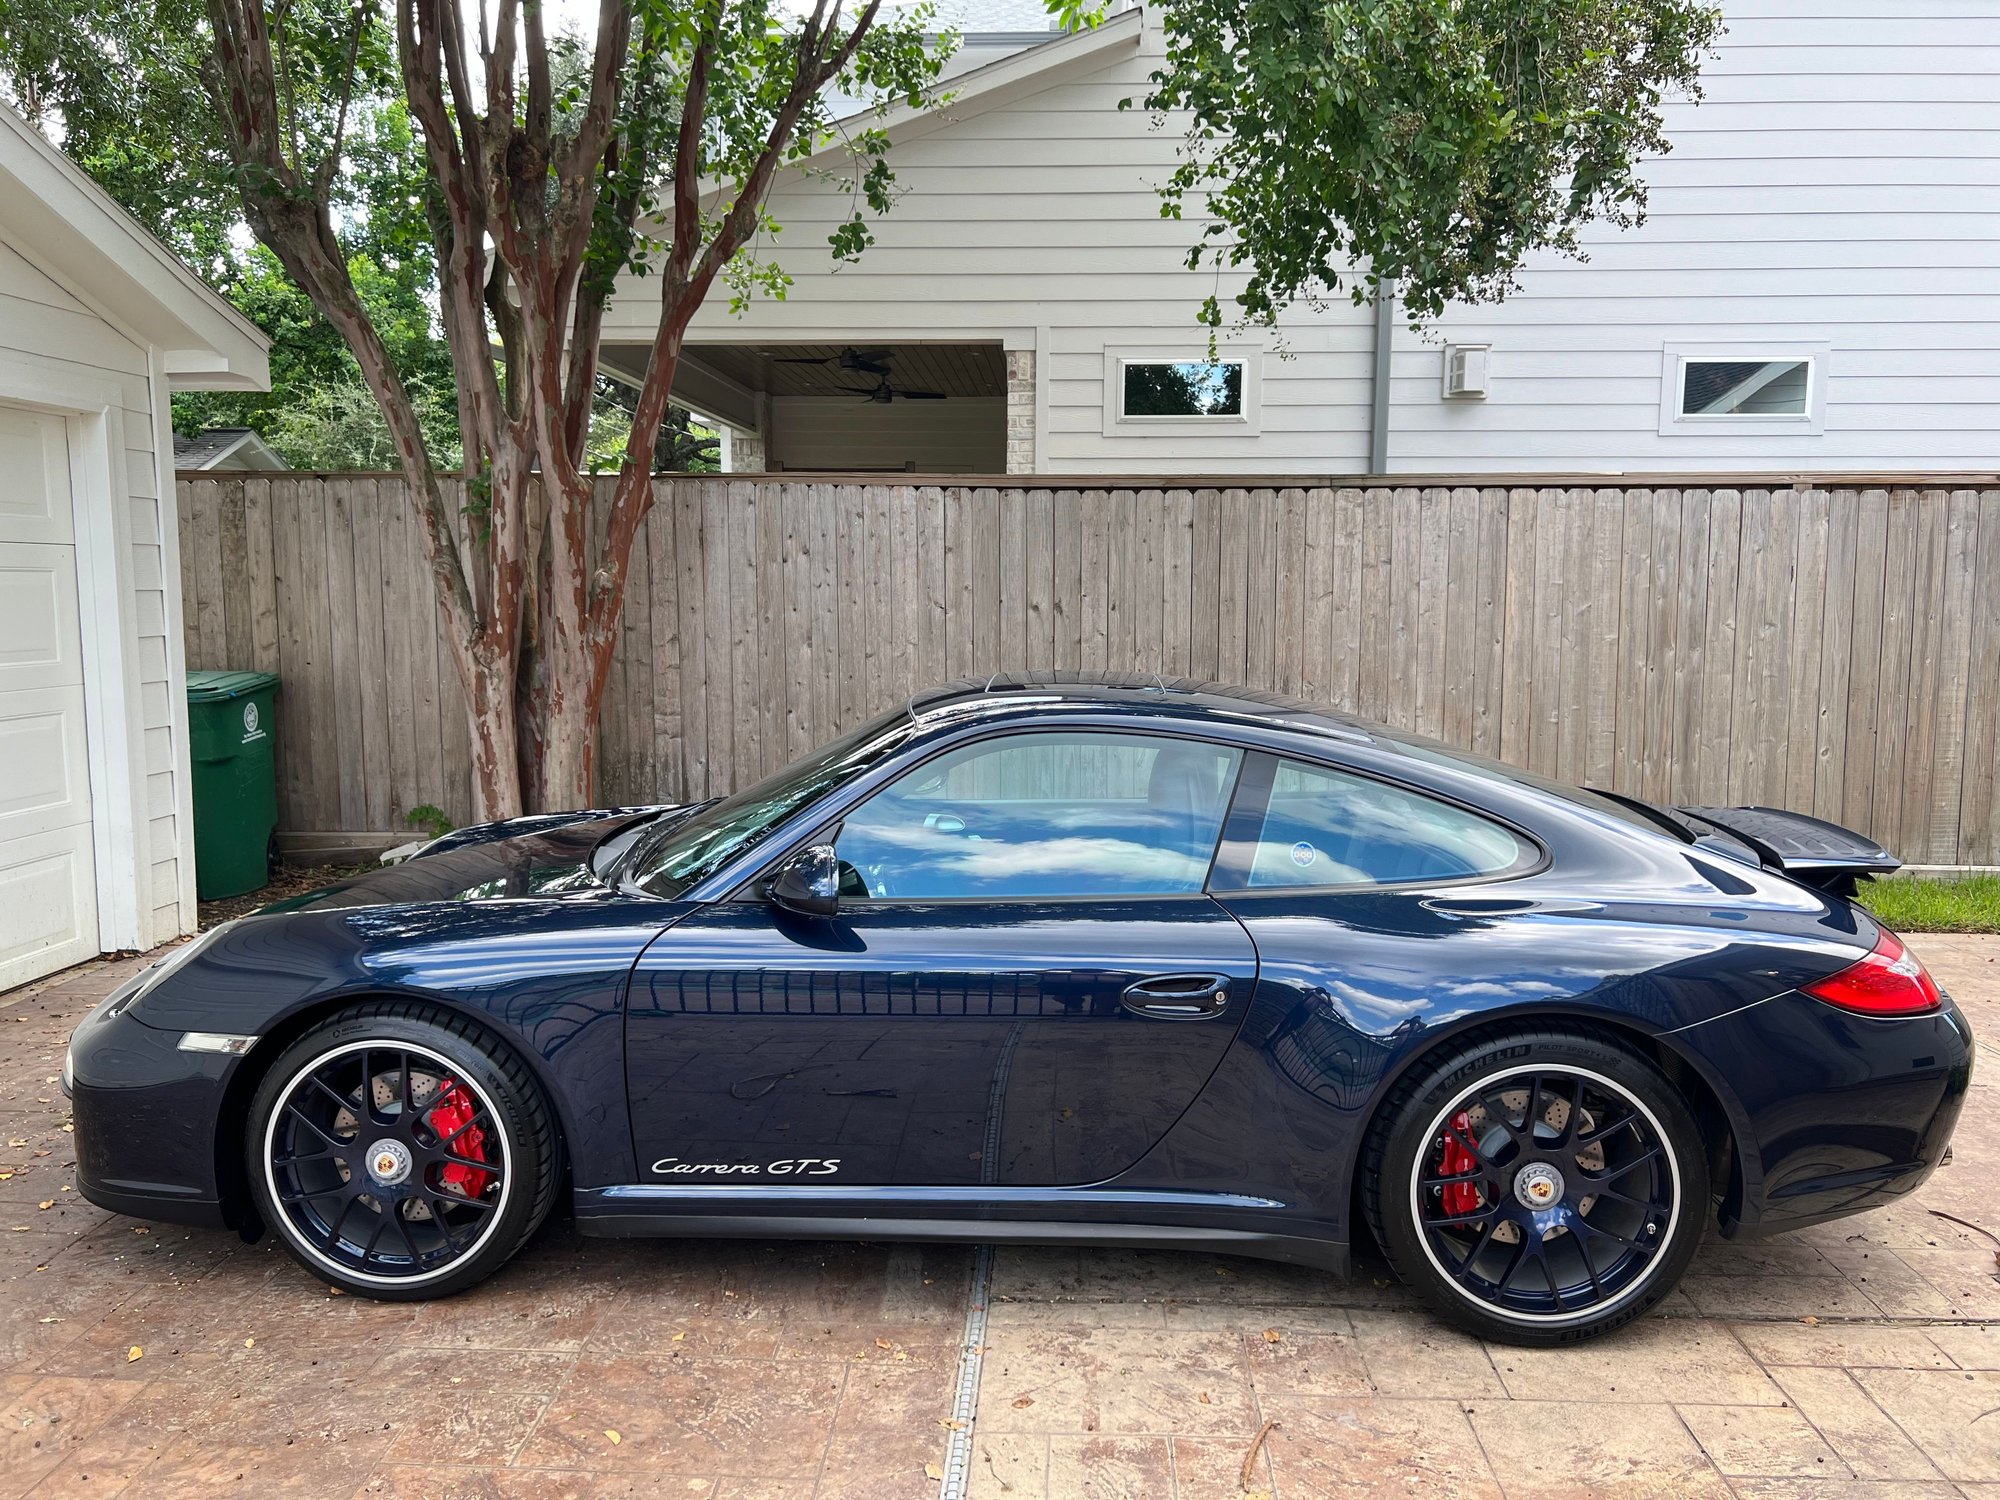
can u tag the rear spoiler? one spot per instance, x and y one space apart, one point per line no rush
1810 850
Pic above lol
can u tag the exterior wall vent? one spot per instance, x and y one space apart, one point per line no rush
1465 372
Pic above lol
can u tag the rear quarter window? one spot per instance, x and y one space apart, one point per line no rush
1323 827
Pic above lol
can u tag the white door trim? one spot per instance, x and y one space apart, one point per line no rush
94 411
177 704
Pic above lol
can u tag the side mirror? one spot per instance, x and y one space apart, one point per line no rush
808 883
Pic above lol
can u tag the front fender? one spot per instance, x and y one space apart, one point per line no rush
549 976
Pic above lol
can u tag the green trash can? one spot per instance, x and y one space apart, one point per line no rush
230 724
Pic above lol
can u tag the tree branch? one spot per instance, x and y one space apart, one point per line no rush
298 227
688 279
329 166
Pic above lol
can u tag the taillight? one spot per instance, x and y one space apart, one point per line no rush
1888 982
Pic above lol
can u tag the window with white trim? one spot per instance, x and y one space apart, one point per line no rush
1773 388
1722 389
1180 390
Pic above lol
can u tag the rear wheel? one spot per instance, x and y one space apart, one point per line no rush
400 1152
1539 1187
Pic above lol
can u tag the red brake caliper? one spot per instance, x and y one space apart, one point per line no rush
453 1109
1459 1197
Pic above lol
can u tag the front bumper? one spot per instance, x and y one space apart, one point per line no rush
146 1115
1833 1113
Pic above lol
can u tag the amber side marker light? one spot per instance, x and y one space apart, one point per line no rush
1888 982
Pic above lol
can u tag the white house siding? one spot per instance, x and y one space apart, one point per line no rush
1036 224
44 325
1840 185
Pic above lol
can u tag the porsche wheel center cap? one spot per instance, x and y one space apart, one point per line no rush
389 1162
1538 1185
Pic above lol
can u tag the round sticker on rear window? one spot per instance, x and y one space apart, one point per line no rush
1303 854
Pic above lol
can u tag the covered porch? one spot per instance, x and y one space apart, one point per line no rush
858 407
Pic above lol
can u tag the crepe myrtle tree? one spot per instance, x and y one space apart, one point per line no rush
1334 144
551 165
1442 140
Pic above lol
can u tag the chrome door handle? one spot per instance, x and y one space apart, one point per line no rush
1178 997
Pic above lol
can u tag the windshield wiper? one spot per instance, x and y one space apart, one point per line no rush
650 834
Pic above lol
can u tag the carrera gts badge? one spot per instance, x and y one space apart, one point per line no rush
803 1166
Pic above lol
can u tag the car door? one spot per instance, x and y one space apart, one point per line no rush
1025 982
1366 899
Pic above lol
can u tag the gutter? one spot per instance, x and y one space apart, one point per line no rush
1378 384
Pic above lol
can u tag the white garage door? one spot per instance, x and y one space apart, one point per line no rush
48 885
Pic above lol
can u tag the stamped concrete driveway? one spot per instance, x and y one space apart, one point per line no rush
1857 1360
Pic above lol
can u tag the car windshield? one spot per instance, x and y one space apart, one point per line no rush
691 851
1612 804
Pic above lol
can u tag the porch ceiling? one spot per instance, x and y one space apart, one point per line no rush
774 369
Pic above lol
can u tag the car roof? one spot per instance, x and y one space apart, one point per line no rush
1007 693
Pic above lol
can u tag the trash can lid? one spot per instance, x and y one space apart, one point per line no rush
216 687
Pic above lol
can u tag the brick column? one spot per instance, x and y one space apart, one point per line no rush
1021 436
746 451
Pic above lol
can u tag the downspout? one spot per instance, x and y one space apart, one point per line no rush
1385 342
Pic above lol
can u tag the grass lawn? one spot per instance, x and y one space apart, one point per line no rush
1969 903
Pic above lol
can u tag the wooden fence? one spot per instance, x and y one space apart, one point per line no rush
1831 650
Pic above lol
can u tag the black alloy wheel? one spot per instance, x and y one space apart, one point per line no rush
1539 1188
400 1152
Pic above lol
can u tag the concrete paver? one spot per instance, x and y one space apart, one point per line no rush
1856 1361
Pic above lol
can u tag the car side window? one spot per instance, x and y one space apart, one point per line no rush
1326 827
1043 815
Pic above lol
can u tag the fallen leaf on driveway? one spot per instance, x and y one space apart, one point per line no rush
883 1344
1810 1321
1023 1401
932 1471
954 1423
1202 1397
5 1175
1271 1335
252 1343
1250 1458
46 1203
612 1433
21 1142
135 1352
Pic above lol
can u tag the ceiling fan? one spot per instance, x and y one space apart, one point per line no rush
883 392
853 361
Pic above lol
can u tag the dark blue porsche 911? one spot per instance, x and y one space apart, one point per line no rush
1041 959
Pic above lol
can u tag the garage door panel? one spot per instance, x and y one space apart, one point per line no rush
40 645
47 760
47 891
34 478
48 879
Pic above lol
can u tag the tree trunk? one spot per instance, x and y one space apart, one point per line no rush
566 776
561 695
491 716
567 659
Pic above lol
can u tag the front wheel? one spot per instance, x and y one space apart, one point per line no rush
400 1152
1539 1187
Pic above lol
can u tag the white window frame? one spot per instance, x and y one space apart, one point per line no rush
1673 373
1247 423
